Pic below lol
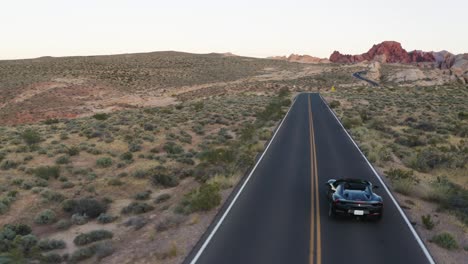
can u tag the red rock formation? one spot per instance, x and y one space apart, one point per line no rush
386 52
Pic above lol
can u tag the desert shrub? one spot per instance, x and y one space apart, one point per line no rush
51 258
115 182
85 206
137 208
51 121
103 249
445 240
450 196
126 156
170 221
205 198
162 198
463 115
134 147
25 244
198 129
142 195
172 148
101 116
52 196
395 174
140 174
411 140
105 218
8 164
73 151
198 106
93 236
136 222
31 136
430 158
63 224
219 156
247 133
68 185
51 244
427 221
349 123
83 253
45 217
47 172
79 219
160 176
104 162
334 104
148 127
272 111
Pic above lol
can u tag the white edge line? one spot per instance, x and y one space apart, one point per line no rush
416 236
207 241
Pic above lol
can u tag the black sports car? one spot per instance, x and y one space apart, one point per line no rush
353 197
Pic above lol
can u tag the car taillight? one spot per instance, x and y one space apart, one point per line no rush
336 201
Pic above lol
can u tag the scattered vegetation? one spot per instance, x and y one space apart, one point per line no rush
445 240
93 236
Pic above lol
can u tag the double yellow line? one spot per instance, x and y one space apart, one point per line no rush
315 241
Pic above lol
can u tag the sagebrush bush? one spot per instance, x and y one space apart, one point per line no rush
104 162
8 164
45 217
31 136
162 198
47 172
205 198
126 156
51 244
445 240
170 221
334 104
79 219
427 221
65 159
83 253
85 206
93 236
105 218
101 116
142 195
161 176
137 208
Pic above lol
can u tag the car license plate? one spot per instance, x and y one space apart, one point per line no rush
358 212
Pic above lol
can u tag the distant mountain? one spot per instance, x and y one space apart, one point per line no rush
385 52
300 59
393 52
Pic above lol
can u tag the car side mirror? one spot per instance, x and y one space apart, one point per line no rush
375 187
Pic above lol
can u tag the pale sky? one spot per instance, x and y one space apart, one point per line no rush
258 28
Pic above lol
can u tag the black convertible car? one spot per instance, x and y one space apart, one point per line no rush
354 197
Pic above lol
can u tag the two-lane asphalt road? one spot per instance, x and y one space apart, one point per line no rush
280 215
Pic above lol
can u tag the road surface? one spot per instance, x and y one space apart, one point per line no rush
280 214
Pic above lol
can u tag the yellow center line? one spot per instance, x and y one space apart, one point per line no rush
317 204
312 237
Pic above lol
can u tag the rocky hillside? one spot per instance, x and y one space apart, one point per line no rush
386 52
393 52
